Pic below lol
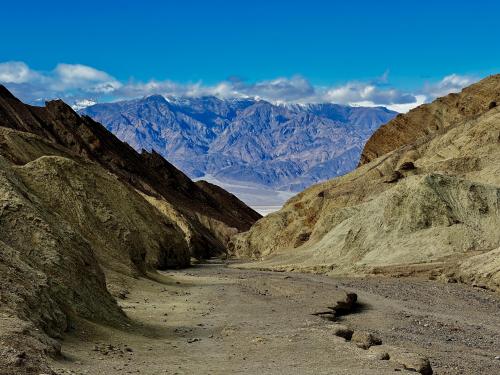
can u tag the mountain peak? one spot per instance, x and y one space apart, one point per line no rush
156 98
6 94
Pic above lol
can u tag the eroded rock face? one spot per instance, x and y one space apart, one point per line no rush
147 172
435 197
49 276
76 221
429 119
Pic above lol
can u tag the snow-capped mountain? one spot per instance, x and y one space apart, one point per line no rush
283 147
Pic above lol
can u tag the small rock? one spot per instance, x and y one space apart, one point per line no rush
497 357
379 354
194 339
364 339
413 362
345 303
383 356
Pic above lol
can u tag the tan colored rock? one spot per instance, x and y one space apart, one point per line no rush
481 269
378 353
344 303
413 362
365 340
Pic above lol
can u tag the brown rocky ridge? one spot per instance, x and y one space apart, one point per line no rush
424 200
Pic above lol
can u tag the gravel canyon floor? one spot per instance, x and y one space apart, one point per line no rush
218 319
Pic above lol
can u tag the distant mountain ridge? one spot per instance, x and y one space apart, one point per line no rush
284 147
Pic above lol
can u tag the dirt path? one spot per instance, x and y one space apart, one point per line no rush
211 319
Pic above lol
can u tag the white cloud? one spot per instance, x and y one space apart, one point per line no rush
449 84
80 104
403 108
81 85
15 72
368 94
77 76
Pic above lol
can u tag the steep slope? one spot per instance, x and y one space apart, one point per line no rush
146 172
246 141
77 226
427 205
431 118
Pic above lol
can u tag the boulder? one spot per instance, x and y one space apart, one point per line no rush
344 303
365 340
413 362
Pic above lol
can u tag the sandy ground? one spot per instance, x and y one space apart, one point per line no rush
211 319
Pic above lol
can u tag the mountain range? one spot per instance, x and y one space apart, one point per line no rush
245 141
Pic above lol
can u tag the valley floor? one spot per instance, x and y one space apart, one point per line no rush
214 319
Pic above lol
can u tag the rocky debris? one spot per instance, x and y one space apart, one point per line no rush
378 353
365 340
328 314
413 362
112 350
382 356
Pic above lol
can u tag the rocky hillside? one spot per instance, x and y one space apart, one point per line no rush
425 199
81 214
432 118
147 172
285 147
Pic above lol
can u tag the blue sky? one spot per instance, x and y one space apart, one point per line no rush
261 48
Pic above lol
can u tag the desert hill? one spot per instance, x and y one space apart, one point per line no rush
432 118
77 226
147 172
426 198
